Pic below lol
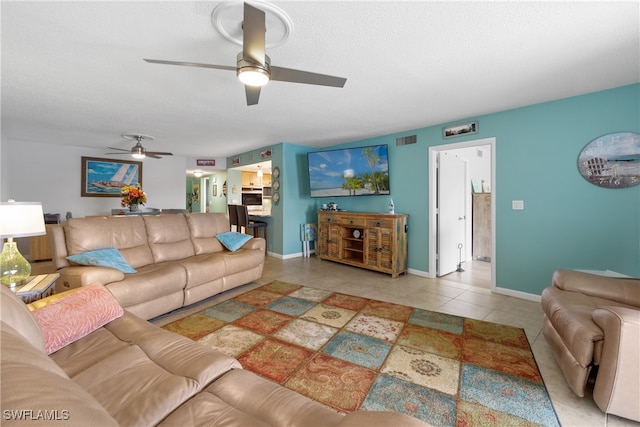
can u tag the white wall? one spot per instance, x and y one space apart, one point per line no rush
4 186
51 174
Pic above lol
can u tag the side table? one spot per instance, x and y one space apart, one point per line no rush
37 287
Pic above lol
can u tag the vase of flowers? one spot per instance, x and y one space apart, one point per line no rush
132 197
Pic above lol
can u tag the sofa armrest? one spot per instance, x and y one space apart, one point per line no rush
623 290
616 390
255 243
75 277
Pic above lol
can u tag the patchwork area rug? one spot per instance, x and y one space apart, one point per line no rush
353 353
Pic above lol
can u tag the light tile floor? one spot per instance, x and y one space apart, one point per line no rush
451 294
465 294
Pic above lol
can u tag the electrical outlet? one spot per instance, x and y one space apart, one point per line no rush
517 205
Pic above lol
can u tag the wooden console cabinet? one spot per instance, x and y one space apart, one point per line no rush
368 240
40 247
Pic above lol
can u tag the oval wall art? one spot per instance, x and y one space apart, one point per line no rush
612 160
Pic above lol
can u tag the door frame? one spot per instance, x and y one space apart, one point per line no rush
433 151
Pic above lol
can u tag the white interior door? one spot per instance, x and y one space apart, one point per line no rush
451 218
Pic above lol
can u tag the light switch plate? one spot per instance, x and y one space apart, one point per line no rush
517 205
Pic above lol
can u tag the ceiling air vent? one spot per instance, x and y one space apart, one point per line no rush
406 140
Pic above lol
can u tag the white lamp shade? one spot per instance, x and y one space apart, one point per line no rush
21 219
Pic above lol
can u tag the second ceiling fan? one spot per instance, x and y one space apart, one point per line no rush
254 67
138 151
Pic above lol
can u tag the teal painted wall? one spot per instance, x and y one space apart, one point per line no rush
567 222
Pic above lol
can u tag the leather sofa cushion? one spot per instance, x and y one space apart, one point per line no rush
155 280
227 402
168 237
236 262
203 268
139 372
31 381
128 234
203 229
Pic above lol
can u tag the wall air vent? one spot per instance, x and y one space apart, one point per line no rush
406 140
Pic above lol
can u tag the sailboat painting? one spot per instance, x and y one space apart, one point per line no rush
105 178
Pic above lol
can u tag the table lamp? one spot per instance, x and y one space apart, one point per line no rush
18 219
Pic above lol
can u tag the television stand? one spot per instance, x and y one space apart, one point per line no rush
367 240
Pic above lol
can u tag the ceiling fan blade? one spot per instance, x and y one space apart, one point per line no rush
253 34
190 64
296 76
158 153
127 152
119 149
152 155
253 94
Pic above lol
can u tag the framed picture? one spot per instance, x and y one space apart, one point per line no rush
266 153
460 130
105 177
196 192
235 161
612 160
206 162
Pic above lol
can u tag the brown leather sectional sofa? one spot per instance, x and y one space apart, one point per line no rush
594 321
133 373
178 259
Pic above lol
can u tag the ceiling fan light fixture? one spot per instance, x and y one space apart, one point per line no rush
197 174
138 152
253 76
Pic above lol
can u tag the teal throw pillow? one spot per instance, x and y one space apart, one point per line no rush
233 240
108 257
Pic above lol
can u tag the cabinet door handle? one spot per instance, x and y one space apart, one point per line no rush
350 221
377 224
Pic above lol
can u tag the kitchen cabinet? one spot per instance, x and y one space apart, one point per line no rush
367 240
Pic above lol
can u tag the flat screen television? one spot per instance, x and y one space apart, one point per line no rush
361 171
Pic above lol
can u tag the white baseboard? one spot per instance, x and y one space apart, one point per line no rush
418 272
517 294
287 256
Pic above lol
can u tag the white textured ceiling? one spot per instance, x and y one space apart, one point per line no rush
73 74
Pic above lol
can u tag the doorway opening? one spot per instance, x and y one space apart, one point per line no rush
451 230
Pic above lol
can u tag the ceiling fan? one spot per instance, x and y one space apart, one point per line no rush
138 151
254 67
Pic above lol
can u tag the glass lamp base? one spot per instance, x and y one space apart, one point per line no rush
14 268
